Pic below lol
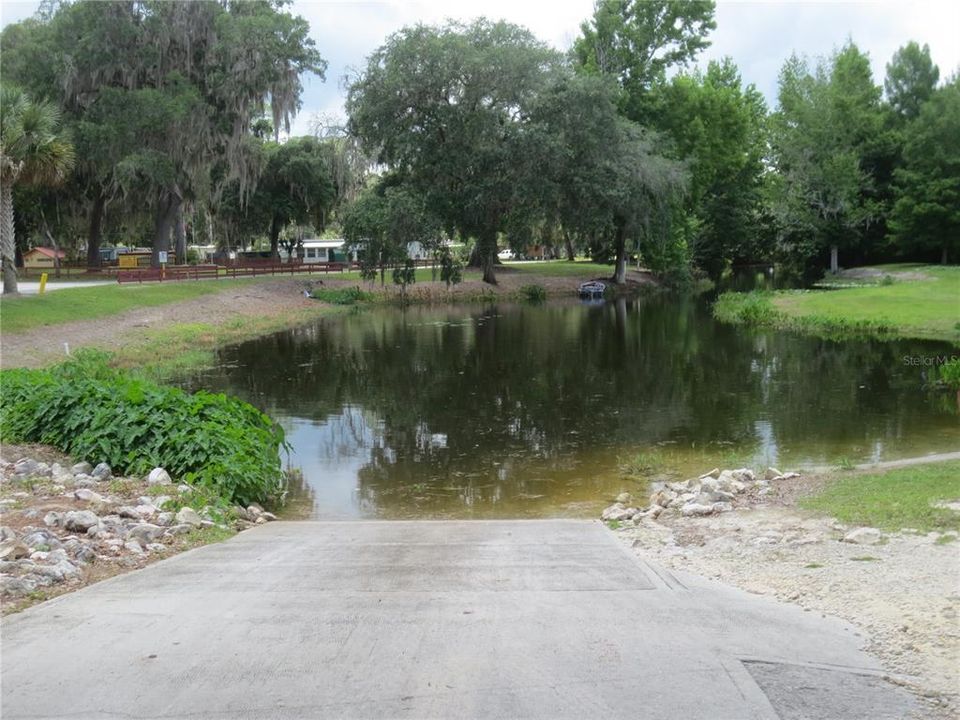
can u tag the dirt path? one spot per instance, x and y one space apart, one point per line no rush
42 345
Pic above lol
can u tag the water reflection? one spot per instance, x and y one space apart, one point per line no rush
531 411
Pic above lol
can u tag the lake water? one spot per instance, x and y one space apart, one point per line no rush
550 411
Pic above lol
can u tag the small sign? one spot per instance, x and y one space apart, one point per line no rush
162 256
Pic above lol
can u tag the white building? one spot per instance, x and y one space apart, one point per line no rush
319 251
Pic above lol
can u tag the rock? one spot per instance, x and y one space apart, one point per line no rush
700 509
16 586
615 512
159 476
126 511
13 550
41 537
178 530
624 498
156 547
744 475
7 533
53 519
709 484
772 473
693 509
84 481
81 468
254 510
165 519
145 533
863 536
241 512
715 473
789 476
81 520
102 472
183 489
189 516
86 554
269 516
160 500
26 467
88 495
43 470
261 520
146 511
134 547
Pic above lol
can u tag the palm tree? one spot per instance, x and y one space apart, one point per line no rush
33 151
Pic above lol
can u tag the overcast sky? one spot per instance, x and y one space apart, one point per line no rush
759 36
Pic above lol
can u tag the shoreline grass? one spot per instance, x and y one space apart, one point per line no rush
893 499
927 309
27 312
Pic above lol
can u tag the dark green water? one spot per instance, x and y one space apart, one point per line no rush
520 411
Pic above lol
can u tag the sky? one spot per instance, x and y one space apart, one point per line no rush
759 36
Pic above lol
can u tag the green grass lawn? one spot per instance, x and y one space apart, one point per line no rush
895 499
562 268
31 311
915 308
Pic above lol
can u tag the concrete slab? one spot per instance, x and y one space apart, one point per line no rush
499 619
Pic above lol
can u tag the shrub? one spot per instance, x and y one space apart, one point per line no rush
341 296
533 293
753 308
85 408
950 374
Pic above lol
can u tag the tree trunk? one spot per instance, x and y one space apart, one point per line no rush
834 262
487 252
620 268
96 231
568 244
943 255
166 215
7 242
275 237
180 233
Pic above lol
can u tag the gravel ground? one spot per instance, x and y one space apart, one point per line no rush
904 592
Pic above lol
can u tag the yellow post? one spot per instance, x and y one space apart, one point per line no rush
43 282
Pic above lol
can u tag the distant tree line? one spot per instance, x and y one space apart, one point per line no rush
480 132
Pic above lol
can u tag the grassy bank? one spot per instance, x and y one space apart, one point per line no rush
927 305
895 499
180 349
31 311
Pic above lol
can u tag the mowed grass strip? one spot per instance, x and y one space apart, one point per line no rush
915 308
31 311
895 499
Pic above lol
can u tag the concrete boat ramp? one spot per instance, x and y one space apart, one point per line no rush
477 619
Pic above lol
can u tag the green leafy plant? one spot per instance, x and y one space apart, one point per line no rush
342 296
90 410
950 374
533 293
451 269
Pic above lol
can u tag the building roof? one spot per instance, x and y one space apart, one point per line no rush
331 243
48 252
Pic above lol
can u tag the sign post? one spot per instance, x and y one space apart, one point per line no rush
43 283
162 257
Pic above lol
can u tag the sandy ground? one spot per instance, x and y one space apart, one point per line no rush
904 592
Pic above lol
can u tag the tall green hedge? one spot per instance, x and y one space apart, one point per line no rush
96 413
